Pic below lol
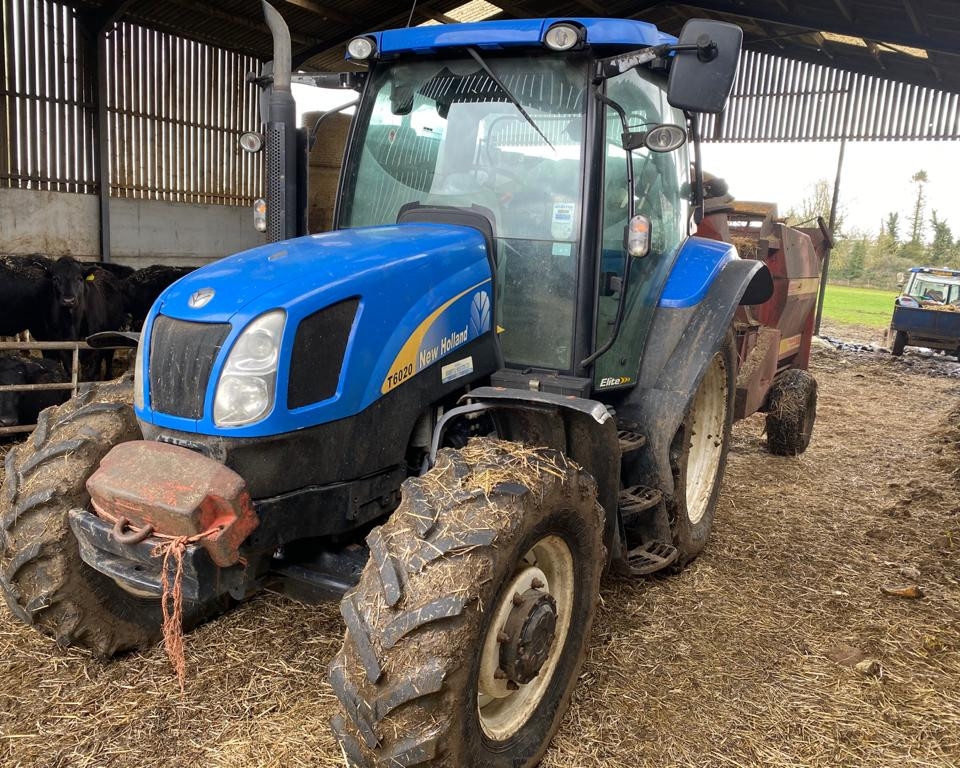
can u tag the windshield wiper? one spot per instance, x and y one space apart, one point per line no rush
513 99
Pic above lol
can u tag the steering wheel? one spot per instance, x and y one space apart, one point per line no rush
495 169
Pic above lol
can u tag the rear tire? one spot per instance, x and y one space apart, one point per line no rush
899 343
42 577
417 676
791 412
698 455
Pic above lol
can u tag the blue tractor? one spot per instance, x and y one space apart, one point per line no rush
508 369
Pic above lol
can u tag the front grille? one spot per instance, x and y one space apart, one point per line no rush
181 357
318 351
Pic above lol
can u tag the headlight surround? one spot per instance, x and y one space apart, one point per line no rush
248 382
138 388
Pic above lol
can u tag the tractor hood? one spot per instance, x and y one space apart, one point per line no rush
350 260
404 296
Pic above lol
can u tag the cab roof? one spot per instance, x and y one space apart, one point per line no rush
938 271
627 34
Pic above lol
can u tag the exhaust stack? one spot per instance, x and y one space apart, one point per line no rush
281 136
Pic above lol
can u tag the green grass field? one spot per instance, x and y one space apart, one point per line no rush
858 306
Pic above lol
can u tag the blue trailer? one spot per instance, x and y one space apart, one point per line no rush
927 313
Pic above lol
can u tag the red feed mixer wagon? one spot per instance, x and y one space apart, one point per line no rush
773 338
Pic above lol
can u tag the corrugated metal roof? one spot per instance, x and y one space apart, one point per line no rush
892 31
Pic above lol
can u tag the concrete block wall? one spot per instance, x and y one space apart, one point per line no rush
142 231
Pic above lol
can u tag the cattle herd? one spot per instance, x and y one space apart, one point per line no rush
67 300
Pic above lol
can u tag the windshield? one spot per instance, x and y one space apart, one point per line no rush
442 132
927 288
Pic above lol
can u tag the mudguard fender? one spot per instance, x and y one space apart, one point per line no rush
583 430
681 343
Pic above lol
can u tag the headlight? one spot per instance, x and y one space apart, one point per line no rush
248 381
138 398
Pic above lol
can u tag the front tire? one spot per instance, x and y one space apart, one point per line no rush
899 343
42 577
698 455
467 631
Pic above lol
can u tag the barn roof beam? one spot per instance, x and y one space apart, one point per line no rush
860 28
320 9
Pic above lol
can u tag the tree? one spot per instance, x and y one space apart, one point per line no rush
891 227
855 262
942 249
919 207
817 203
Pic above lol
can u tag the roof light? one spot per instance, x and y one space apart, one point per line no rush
561 37
360 48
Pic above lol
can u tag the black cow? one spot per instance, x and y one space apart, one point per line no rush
86 300
119 271
24 407
26 289
142 288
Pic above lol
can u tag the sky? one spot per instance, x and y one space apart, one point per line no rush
875 179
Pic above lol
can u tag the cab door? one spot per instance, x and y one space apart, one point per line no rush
662 194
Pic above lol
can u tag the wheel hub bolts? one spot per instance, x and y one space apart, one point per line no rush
527 636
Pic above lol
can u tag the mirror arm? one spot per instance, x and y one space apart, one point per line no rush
705 48
335 80
628 260
324 116
694 119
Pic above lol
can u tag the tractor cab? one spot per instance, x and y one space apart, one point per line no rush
552 136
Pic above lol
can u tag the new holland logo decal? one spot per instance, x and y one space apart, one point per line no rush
456 322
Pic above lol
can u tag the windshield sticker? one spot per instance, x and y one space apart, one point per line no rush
561 227
562 249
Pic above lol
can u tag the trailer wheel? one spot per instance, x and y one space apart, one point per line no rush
791 412
899 343
42 577
469 625
698 455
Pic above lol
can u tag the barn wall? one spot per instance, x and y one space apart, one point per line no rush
143 231
49 223
157 232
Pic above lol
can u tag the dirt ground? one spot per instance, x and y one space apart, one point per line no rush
745 659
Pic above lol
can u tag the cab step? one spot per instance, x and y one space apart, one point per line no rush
651 557
636 500
630 440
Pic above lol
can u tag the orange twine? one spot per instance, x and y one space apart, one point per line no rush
171 599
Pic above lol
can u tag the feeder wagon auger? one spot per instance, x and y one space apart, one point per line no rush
509 367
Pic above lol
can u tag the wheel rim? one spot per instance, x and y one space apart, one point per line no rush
503 705
707 421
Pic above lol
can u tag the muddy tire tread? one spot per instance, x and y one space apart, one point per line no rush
789 399
393 715
42 578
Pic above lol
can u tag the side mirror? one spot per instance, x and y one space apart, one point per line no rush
701 76
637 237
901 279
